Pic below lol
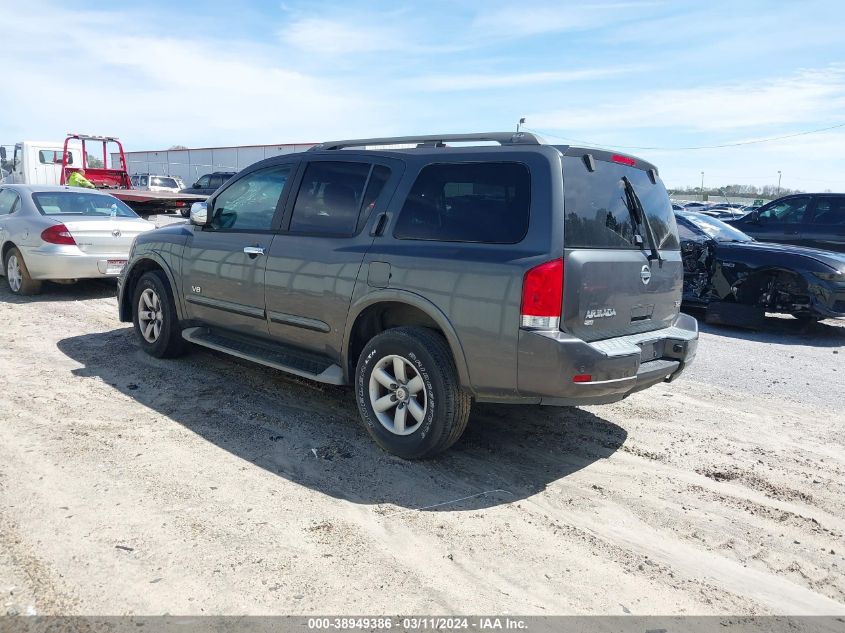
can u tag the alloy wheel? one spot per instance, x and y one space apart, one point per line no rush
398 395
13 273
150 317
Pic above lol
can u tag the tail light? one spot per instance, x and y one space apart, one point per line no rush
58 234
623 160
542 296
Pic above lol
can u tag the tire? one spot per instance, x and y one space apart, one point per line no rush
185 212
436 408
17 275
157 327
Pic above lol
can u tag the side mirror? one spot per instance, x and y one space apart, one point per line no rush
196 185
754 217
199 213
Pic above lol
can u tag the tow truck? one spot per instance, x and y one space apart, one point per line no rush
51 163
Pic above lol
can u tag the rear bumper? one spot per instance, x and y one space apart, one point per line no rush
616 367
64 263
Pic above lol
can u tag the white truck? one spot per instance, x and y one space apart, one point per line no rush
50 163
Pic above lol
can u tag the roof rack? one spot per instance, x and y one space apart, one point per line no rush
434 140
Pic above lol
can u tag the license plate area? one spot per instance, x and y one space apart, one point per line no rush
651 350
115 266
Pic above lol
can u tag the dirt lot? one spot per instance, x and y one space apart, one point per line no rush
207 485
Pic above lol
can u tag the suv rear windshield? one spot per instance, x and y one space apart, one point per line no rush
159 181
468 202
596 212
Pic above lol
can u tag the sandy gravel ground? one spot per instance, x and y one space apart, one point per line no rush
130 485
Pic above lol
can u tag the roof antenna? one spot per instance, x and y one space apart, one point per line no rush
521 122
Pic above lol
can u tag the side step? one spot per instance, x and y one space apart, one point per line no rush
280 357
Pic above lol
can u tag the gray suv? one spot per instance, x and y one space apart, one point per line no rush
448 271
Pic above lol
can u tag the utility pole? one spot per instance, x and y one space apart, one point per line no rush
779 175
702 186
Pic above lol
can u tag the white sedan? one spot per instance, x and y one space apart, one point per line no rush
63 233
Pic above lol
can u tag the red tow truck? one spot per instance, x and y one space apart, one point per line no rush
117 181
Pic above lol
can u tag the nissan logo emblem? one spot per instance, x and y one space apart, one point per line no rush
645 274
116 233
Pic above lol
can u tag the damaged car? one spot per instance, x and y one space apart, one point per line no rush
736 279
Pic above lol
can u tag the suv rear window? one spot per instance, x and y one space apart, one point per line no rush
159 181
596 213
468 202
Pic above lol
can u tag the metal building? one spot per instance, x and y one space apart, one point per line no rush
190 164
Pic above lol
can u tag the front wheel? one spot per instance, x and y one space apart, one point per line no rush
155 318
408 393
17 274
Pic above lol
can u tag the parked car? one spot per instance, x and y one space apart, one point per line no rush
209 183
737 279
805 219
63 233
428 278
153 182
721 211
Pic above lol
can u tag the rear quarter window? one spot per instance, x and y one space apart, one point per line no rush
468 202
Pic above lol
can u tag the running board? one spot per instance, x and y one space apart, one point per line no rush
279 357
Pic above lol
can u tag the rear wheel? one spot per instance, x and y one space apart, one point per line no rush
408 393
155 318
17 274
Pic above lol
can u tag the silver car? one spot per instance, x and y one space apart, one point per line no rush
63 233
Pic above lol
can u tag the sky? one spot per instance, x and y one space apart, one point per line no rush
654 74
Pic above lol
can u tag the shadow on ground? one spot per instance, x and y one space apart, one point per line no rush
50 291
782 330
310 433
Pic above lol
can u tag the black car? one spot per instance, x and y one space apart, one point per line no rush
209 183
805 219
737 279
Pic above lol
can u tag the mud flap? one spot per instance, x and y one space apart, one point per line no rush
736 314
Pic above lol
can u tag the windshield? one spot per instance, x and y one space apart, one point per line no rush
82 203
716 229
597 212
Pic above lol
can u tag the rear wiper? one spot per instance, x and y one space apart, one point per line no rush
637 210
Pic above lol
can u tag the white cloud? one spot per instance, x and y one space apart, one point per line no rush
812 95
109 73
331 36
535 18
481 81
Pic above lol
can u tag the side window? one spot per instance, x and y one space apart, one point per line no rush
830 211
144 181
135 181
790 211
250 203
8 201
52 157
215 181
203 182
467 202
330 198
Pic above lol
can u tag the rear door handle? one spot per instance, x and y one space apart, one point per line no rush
253 251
